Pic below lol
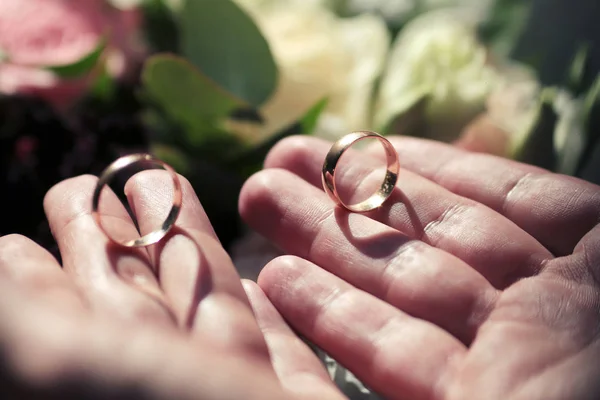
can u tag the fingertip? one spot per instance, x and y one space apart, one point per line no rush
78 189
251 288
288 151
248 194
299 370
256 297
257 194
301 155
279 272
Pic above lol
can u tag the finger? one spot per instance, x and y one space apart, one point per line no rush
115 279
423 210
196 274
560 306
417 278
398 356
297 367
87 358
26 265
557 210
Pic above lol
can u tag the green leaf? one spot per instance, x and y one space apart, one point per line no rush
592 99
538 145
591 117
160 27
250 161
104 87
226 45
577 70
250 115
309 121
81 67
187 97
505 24
572 126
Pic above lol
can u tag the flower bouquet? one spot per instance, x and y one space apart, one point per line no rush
209 86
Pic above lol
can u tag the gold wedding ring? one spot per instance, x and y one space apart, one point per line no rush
109 173
389 182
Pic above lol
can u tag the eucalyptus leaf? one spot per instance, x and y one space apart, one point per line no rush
578 69
250 161
248 115
160 26
591 117
537 147
187 97
226 45
308 123
571 126
592 97
505 24
81 67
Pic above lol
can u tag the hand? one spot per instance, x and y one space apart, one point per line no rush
171 321
478 279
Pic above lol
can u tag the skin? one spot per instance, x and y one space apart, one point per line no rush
480 277
172 321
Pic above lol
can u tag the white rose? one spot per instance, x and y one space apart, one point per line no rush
479 7
438 58
391 10
398 12
321 55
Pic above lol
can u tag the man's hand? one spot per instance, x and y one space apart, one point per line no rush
478 279
168 322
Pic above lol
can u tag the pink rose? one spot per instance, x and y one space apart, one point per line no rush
38 33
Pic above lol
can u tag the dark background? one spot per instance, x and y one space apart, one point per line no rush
554 31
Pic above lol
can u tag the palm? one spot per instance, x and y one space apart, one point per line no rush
170 321
478 279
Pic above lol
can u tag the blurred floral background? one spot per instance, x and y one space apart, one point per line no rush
210 85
